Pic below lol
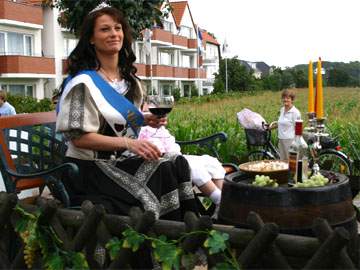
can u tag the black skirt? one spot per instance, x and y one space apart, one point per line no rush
163 186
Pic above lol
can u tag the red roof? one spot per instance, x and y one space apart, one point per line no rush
208 38
178 9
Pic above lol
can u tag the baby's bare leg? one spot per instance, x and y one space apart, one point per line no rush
210 190
218 182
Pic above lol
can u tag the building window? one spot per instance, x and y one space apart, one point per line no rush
19 89
186 31
166 89
141 56
186 90
12 43
69 45
186 61
166 58
2 43
28 45
168 26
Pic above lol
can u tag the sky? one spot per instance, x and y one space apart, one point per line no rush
283 33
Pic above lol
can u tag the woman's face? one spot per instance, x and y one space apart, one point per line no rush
108 35
287 101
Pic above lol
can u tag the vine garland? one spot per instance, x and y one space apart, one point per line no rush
42 243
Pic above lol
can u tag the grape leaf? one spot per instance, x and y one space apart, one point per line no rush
78 261
114 246
54 262
167 253
132 239
216 242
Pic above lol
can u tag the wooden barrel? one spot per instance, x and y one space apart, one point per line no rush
293 209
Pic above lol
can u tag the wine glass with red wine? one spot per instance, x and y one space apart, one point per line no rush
160 105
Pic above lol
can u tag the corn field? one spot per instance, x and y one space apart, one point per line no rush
209 114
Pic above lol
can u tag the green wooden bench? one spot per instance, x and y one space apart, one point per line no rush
32 153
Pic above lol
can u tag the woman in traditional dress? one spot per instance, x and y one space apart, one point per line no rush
99 114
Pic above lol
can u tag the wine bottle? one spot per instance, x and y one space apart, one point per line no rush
298 156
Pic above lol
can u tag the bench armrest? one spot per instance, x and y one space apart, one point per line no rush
55 185
74 170
207 142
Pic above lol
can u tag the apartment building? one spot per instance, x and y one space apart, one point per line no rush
175 61
34 48
210 60
24 67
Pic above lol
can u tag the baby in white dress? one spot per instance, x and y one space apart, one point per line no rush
207 172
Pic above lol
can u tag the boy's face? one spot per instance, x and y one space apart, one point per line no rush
1 102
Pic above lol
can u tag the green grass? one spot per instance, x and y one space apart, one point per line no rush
207 115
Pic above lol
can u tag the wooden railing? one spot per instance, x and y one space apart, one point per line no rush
85 230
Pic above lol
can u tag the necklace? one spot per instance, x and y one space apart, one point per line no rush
108 77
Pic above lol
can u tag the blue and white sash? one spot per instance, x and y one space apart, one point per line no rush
115 108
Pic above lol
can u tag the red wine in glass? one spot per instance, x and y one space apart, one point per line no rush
160 105
160 111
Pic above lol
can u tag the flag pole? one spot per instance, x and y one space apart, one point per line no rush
151 71
226 76
198 72
147 48
225 52
199 48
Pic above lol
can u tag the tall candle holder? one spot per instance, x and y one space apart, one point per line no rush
311 122
320 127
316 146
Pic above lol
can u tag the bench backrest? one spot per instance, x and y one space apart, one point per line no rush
29 143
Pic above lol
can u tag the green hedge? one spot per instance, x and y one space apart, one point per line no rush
29 104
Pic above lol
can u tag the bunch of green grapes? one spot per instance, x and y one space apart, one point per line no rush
264 181
317 180
29 249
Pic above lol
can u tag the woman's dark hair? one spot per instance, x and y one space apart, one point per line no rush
84 56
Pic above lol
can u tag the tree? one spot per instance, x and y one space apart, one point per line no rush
287 79
140 13
300 78
239 78
338 77
274 80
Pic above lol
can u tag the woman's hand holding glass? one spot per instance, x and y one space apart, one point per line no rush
154 121
159 107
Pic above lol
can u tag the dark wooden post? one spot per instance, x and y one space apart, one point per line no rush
323 230
88 228
273 256
258 245
325 256
142 224
7 204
